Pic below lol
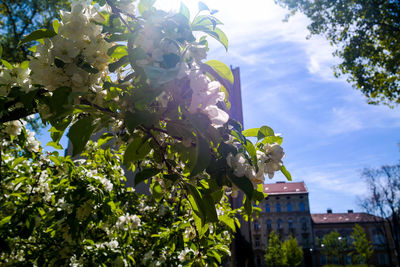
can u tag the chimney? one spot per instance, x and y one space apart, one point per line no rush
349 211
329 211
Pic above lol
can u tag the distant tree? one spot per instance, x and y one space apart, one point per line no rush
20 17
383 200
274 254
366 35
293 252
334 246
362 246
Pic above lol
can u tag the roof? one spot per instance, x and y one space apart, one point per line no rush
285 188
357 217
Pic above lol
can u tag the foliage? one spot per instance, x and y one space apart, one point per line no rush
274 254
140 76
349 265
334 245
383 200
19 17
293 252
56 211
362 246
367 37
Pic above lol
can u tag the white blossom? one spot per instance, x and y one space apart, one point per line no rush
31 143
14 127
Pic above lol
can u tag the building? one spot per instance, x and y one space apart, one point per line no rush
375 228
286 210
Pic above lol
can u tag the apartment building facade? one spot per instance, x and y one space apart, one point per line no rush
286 210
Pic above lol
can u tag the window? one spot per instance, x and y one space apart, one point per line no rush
257 242
267 208
256 226
290 223
279 222
322 259
278 207
302 207
269 226
258 260
303 224
289 207
377 237
383 258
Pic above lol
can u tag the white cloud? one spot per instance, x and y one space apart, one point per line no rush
253 24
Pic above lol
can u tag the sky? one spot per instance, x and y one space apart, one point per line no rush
330 133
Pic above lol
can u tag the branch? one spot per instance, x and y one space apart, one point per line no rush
118 11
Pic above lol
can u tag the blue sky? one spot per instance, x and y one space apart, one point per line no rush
330 133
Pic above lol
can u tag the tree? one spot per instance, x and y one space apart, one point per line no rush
293 252
366 35
20 17
334 246
140 76
362 246
383 200
274 254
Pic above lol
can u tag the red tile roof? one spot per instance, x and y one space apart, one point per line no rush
285 188
358 217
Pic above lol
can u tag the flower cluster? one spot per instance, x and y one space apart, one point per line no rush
268 162
15 77
206 94
127 220
77 56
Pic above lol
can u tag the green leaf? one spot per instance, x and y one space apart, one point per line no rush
218 35
56 25
209 206
1 51
145 5
88 68
145 174
244 184
264 132
201 228
6 64
117 64
17 161
198 204
80 133
157 191
286 173
158 76
252 151
5 220
223 70
253 132
136 150
230 222
184 10
54 144
247 206
170 60
133 120
117 51
272 139
203 6
206 20
203 156
105 137
38 34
